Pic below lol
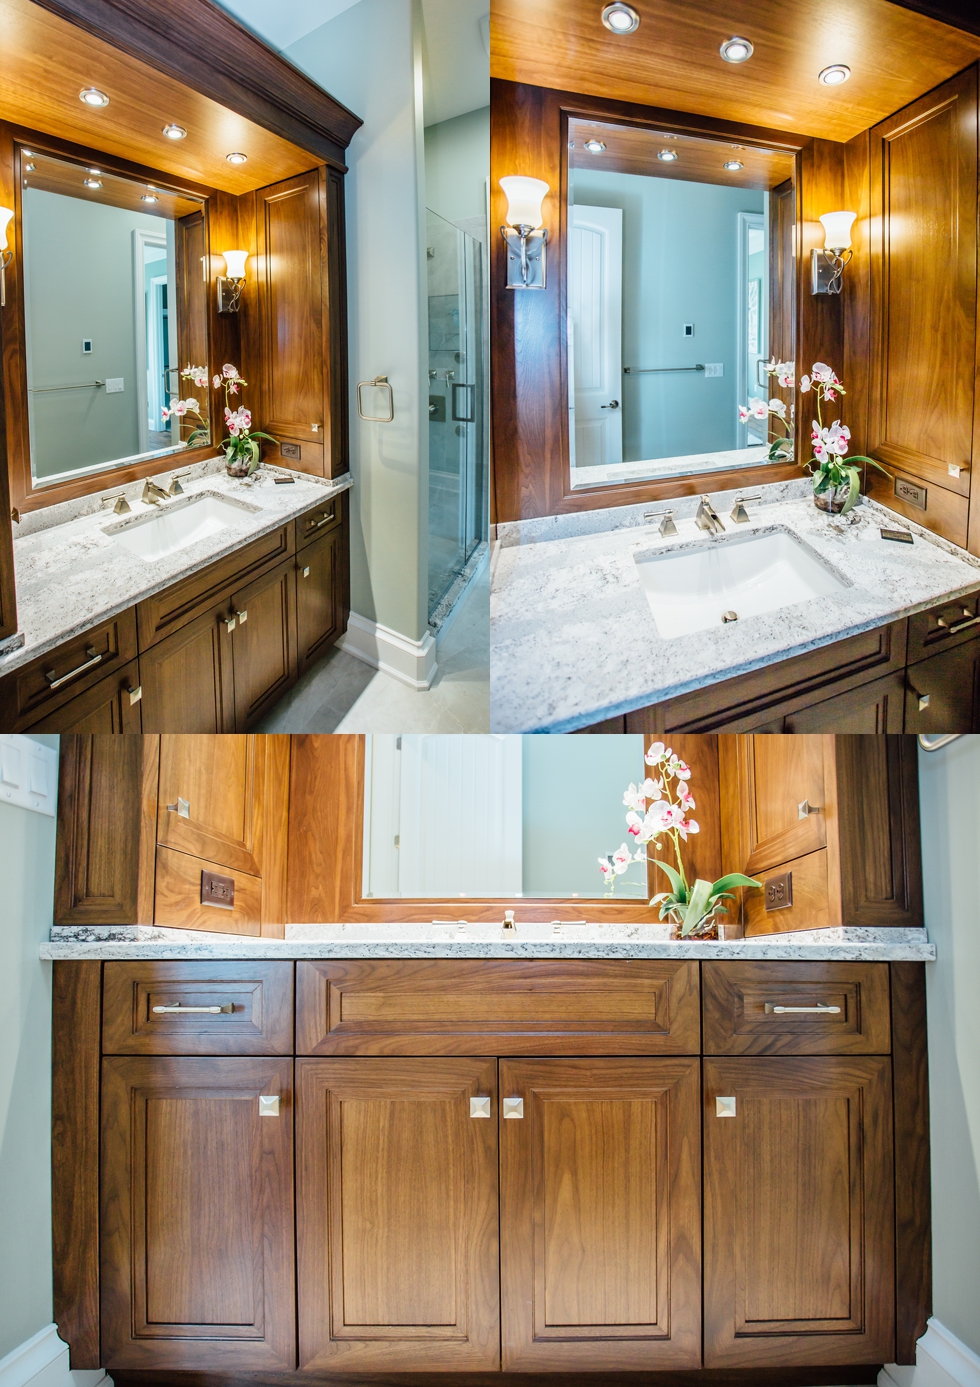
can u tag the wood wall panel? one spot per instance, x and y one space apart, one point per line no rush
913 1189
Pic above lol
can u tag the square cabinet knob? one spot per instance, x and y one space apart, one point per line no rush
724 1107
269 1105
479 1107
513 1107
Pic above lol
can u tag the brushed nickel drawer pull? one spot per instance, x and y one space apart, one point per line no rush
962 625
325 521
184 1011
513 1107
479 1107
268 1105
818 1010
93 659
806 808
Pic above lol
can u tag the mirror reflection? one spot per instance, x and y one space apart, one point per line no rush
116 309
440 816
680 291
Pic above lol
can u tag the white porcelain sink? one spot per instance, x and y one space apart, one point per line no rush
693 589
177 524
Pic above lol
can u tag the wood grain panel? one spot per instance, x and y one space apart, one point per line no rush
600 1215
264 646
913 1188
321 570
397 1215
106 817
259 1023
950 680
894 56
197 1214
816 897
736 996
869 710
497 1007
799 1210
718 1377
76 1023
878 830
26 694
215 778
946 513
188 678
178 896
629 150
336 430
106 709
780 773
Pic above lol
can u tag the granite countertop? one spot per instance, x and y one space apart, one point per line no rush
74 574
457 939
573 639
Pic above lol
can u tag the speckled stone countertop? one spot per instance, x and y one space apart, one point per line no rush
573 639
72 575
457 939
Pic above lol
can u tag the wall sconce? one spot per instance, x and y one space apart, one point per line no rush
232 282
827 265
523 233
5 255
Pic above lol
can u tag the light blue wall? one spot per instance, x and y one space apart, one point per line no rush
950 805
574 812
27 842
457 165
680 265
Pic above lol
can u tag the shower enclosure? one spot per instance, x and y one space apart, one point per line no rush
458 436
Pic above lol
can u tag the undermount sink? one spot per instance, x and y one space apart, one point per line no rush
178 524
730 578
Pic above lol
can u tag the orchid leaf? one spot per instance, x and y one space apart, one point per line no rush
675 878
697 906
733 879
859 457
854 489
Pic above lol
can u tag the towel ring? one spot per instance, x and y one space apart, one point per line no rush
382 383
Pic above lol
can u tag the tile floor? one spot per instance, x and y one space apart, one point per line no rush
342 694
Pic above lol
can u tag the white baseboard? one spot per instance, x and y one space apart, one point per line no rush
42 1361
941 1360
413 662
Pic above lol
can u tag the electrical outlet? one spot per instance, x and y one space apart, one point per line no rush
779 891
217 890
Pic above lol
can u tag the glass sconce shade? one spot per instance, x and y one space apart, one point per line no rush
524 199
235 263
5 216
837 226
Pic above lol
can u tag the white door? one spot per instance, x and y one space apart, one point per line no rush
595 310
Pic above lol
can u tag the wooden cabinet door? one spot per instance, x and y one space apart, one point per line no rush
780 780
870 709
319 595
798 1212
942 694
197 1215
188 678
600 1216
111 706
264 643
397 1215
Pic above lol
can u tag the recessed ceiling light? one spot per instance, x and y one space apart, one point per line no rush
150 197
93 97
174 132
835 75
620 18
667 155
736 50
594 146
237 158
733 165
93 182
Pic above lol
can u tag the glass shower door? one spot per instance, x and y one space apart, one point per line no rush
458 452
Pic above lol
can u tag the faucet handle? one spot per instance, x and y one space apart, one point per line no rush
666 518
175 488
739 514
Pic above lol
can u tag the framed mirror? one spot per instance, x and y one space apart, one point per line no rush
680 291
115 312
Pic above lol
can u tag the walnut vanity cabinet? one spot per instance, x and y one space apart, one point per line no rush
465 1203
829 824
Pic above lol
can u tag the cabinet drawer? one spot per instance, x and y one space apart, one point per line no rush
321 520
298 454
256 1001
50 681
808 892
110 706
497 1007
948 624
741 1016
179 903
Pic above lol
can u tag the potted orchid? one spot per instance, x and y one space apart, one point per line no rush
241 448
837 478
179 409
660 807
775 411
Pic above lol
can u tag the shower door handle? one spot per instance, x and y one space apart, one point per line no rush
464 403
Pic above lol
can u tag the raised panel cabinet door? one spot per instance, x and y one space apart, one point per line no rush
319 595
600 1214
110 707
188 679
871 709
396 1186
786 788
264 643
197 1214
942 693
799 1263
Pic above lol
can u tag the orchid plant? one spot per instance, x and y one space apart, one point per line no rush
835 471
179 409
240 448
661 806
774 410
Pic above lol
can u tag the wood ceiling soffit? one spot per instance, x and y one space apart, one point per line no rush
222 60
896 54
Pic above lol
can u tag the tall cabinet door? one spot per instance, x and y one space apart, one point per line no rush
197 1215
798 1212
397 1214
600 1215
784 785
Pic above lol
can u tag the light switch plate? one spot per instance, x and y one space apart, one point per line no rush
28 774
115 385
714 368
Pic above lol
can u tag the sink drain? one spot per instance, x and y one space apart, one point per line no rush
729 616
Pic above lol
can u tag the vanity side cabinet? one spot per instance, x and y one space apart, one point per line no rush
263 643
600 1215
830 825
44 687
942 693
188 678
322 595
303 320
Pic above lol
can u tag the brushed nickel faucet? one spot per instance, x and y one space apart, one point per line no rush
175 488
153 494
666 517
707 519
122 506
739 514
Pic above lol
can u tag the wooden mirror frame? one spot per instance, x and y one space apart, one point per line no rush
529 126
220 217
326 820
